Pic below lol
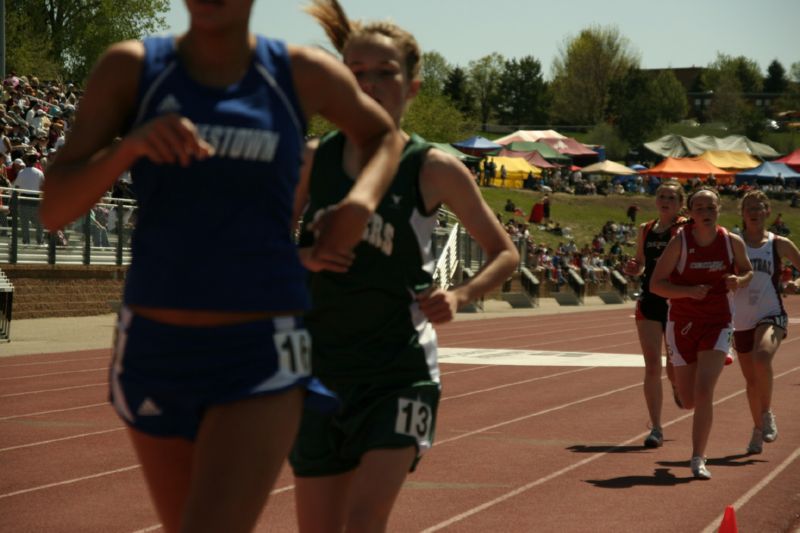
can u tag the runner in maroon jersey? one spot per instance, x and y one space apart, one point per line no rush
698 272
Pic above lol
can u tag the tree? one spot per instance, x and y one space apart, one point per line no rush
583 72
745 71
776 81
435 118
520 95
670 98
794 72
641 104
434 73
30 52
483 80
456 87
75 32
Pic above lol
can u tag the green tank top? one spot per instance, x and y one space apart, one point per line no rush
364 323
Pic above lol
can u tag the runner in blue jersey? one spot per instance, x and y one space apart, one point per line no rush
374 342
210 364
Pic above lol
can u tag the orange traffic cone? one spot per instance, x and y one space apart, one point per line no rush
728 524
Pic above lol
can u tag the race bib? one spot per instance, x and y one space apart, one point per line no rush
294 351
414 418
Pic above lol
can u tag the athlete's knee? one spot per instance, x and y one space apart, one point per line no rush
367 519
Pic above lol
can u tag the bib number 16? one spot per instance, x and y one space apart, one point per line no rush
294 351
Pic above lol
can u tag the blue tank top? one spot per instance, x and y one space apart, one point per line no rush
216 235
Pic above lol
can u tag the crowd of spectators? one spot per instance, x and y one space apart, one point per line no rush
35 116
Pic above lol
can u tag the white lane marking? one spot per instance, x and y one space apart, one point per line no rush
43 391
569 468
39 413
34 363
451 372
105 368
515 383
158 526
68 481
61 439
513 357
538 413
747 496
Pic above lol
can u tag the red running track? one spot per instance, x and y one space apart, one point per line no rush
518 448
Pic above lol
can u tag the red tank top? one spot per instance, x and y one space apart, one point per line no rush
703 265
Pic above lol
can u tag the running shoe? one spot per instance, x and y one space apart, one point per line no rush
728 359
655 439
699 470
756 442
770 429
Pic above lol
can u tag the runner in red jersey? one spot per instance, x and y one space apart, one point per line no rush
697 272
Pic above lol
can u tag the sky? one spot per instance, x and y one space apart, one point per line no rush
678 33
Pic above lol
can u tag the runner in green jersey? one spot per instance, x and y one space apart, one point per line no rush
373 310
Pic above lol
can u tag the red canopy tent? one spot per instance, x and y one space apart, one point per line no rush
568 146
684 168
792 160
534 158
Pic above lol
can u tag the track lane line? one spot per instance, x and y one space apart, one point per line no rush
61 389
40 413
61 439
30 376
747 496
524 488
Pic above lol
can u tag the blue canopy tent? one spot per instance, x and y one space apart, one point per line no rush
768 172
476 145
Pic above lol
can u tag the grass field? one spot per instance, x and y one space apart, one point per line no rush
585 215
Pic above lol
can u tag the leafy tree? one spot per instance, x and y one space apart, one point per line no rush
435 118
670 98
776 81
76 32
456 87
794 72
606 135
30 51
520 95
745 71
483 81
632 107
434 73
583 72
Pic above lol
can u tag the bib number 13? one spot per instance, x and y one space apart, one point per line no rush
414 418
294 351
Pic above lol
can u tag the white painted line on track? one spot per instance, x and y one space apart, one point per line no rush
69 481
62 439
451 372
32 363
747 496
542 480
158 526
513 357
104 368
537 413
40 413
43 391
515 383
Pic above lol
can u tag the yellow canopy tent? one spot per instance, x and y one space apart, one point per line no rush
517 169
730 160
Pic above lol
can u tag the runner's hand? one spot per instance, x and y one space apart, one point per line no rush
169 139
438 305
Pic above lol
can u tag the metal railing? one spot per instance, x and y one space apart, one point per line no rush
101 237
447 264
6 301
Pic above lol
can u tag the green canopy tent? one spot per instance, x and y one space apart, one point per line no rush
466 158
544 150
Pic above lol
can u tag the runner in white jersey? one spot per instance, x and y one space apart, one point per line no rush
760 319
